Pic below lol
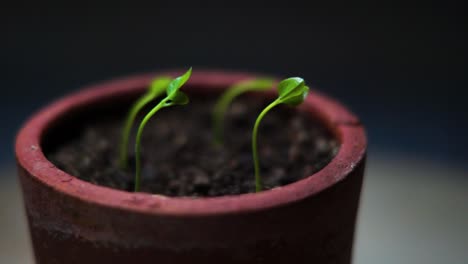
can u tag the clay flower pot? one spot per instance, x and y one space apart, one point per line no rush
73 221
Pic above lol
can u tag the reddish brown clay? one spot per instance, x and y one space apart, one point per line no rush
72 221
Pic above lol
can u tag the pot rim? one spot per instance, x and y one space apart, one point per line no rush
30 157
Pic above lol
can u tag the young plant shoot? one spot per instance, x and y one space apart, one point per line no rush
221 106
156 88
173 97
292 92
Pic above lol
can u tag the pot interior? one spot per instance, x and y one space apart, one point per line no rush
108 112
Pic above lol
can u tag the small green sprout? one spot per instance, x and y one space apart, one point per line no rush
174 97
156 88
221 106
292 92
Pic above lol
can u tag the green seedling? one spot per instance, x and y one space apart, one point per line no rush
156 88
173 97
292 92
221 106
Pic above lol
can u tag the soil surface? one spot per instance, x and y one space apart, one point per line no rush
180 159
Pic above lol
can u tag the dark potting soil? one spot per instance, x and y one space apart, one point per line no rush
180 159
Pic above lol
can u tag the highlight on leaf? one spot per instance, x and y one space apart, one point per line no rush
175 84
173 97
222 104
292 92
155 89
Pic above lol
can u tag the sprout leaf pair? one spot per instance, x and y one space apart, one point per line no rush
291 91
173 97
157 88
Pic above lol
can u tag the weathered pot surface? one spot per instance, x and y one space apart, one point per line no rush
73 221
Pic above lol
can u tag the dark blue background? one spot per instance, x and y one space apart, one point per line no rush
402 69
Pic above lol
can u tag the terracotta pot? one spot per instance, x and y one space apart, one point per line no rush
73 221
